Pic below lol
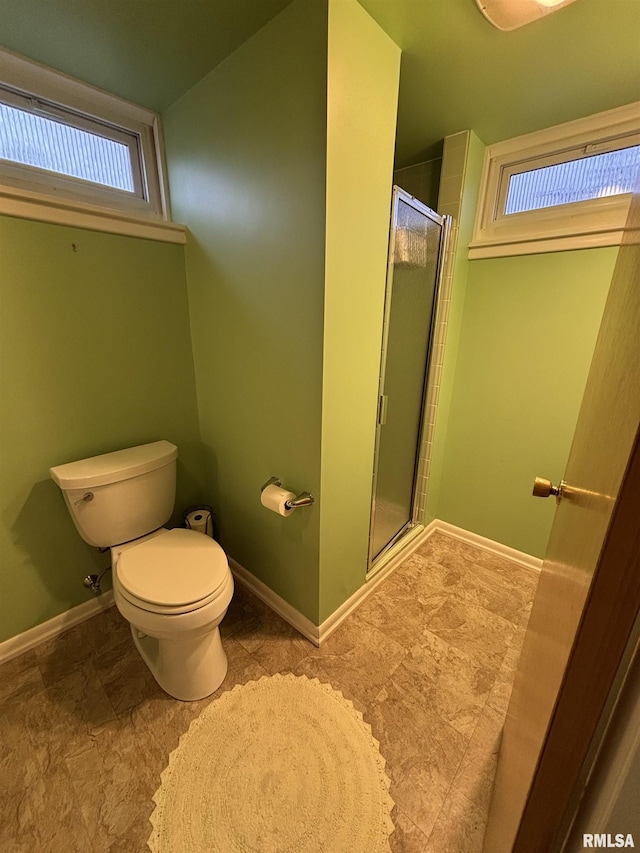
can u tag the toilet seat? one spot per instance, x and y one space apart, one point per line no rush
176 571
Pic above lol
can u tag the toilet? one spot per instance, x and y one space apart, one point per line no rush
173 586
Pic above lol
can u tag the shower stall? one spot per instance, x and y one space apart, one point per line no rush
417 245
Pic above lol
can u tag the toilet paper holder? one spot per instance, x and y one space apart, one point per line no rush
303 499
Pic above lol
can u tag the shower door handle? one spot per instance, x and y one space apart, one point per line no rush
383 404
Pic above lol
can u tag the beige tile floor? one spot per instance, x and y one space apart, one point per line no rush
429 659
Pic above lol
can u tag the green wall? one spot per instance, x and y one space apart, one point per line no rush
520 338
246 151
261 356
527 337
255 350
363 72
95 355
283 178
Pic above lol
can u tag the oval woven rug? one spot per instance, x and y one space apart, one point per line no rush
280 765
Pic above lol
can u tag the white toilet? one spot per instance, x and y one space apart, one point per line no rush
172 586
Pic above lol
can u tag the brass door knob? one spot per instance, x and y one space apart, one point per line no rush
544 488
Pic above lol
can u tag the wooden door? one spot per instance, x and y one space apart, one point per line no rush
589 591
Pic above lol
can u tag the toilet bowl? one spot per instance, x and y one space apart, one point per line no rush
173 586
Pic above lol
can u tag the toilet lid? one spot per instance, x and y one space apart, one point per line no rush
175 568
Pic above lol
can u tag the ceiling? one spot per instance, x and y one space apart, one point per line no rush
458 72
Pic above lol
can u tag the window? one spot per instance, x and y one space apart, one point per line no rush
561 188
42 136
73 154
582 179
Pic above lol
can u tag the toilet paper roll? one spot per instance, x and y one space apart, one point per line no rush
200 520
275 497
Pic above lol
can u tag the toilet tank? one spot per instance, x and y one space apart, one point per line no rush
120 496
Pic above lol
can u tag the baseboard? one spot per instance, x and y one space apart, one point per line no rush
402 549
526 561
296 619
374 579
317 634
15 646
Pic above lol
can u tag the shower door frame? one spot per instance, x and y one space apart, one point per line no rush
420 478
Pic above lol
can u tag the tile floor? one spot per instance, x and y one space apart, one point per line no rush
428 658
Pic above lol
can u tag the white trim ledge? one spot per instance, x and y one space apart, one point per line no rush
28 640
44 209
562 243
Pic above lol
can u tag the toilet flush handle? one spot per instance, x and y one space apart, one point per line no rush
86 498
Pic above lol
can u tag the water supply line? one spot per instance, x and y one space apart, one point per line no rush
92 582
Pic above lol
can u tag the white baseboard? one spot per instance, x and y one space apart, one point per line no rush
15 646
374 579
317 634
401 550
526 561
296 619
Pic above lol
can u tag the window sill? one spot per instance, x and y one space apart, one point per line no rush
43 208
537 247
584 225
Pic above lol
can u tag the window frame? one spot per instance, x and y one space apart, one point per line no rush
34 193
581 224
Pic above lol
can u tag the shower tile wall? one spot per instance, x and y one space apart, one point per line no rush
454 160
428 658
421 180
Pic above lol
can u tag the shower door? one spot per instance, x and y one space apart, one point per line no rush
415 262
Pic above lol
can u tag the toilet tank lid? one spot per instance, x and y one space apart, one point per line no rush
113 467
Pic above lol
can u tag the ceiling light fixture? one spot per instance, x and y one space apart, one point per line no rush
511 14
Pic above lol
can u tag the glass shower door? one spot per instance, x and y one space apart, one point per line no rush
414 266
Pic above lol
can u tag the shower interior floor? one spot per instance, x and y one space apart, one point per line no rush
429 658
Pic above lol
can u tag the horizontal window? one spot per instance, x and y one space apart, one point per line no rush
561 188
40 136
73 154
43 142
585 178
